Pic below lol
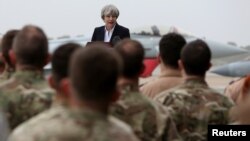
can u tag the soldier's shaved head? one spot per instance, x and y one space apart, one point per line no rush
170 49
31 46
7 43
132 54
196 57
94 72
61 60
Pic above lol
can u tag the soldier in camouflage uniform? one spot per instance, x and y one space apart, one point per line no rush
6 47
58 80
193 104
149 120
93 89
27 93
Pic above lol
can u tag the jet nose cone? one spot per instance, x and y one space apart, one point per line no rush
220 50
221 70
236 69
223 50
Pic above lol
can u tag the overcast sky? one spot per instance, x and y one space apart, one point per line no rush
220 20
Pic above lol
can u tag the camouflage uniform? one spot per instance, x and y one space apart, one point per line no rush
193 106
6 75
63 124
149 120
24 95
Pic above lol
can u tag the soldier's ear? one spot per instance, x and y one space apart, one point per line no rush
12 56
65 88
180 64
159 58
51 82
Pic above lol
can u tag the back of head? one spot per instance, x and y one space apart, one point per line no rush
94 72
132 54
196 57
170 49
7 43
109 10
31 46
60 60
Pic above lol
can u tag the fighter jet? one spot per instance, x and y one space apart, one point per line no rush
150 36
221 53
218 49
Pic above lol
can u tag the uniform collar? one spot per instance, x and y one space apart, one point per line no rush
87 113
27 75
196 82
170 72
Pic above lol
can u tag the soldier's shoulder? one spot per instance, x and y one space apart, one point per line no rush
218 95
119 124
132 103
8 84
42 126
8 96
122 130
223 101
42 94
3 77
30 97
160 97
21 95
